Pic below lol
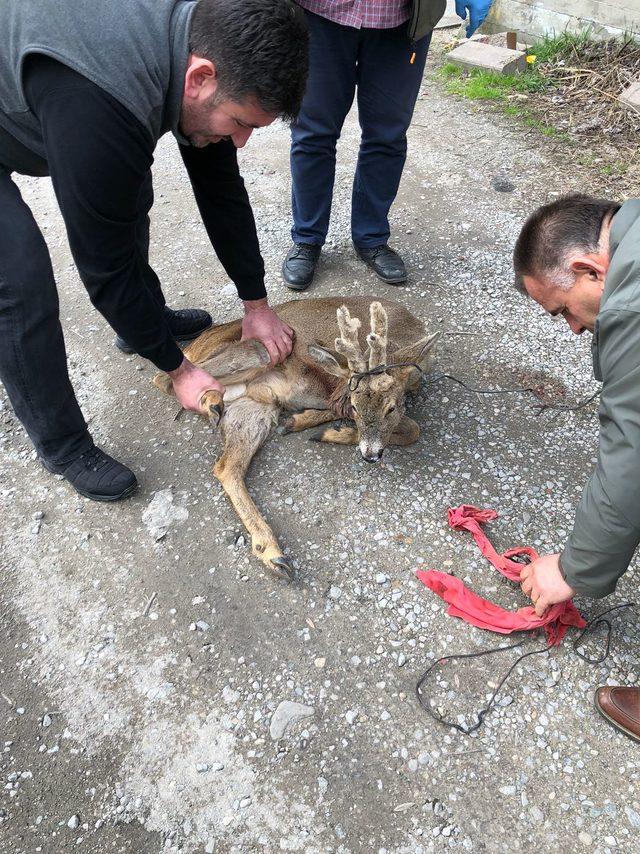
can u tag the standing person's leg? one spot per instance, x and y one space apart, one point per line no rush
186 323
314 134
388 86
33 363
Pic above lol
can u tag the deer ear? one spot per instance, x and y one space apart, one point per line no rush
419 353
327 361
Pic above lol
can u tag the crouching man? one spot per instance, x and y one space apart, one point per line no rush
579 258
86 92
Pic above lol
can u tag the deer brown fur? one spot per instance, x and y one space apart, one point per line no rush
316 383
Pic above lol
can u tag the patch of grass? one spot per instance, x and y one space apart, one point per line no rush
557 46
480 85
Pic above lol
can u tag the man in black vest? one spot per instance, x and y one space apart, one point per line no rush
86 91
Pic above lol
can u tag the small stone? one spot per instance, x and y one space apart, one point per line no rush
46 721
402 659
334 592
209 848
536 814
320 663
217 766
350 716
634 818
585 838
202 767
610 840
202 626
381 578
286 714
73 822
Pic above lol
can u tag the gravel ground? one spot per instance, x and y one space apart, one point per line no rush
160 692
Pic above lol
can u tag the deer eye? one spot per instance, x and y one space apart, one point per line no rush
390 410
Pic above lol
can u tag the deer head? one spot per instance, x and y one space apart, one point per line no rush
375 394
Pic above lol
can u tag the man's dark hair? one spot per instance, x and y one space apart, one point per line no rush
553 232
260 49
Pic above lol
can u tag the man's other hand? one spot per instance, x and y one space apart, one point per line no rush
542 582
261 322
478 11
190 383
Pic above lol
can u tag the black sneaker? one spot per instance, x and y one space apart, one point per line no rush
300 265
96 475
385 263
185 325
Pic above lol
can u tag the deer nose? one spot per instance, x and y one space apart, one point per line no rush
373 457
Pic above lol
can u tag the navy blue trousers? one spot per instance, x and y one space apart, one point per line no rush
377 64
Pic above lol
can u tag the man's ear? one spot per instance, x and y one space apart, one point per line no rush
594 265
327 361
200 79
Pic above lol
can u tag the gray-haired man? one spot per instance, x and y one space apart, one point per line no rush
579 258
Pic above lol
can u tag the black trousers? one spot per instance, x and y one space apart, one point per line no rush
33 362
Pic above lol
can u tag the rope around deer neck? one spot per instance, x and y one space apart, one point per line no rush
356 378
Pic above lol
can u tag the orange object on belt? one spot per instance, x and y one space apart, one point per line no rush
467 605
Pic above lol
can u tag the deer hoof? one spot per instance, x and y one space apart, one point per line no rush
212 406
215 414
283 568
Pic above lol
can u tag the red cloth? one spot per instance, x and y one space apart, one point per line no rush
480 612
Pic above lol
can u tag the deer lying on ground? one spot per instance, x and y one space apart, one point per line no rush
318 383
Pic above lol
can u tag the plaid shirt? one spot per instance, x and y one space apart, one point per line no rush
374 14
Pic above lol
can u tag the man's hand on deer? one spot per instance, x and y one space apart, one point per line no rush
261 322
198 391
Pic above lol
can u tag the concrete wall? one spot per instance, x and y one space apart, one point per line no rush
537 17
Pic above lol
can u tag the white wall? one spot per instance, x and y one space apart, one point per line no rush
537 17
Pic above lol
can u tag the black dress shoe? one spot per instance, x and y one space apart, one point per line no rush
96 475
185 325
385 263
300 265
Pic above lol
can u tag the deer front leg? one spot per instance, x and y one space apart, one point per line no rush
337 436
245 426
308 418
406 433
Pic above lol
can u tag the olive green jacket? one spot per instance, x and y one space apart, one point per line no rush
606 530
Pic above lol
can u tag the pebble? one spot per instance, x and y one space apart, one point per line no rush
73 822
286 714
350 716
585 838
334 592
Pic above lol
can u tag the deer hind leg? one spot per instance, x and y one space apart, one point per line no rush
308 418
245 426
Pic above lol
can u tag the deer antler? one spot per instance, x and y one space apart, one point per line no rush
377 338
348 343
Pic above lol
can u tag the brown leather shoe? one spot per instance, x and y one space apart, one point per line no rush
621 707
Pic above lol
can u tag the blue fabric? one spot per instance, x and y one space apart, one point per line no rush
377 64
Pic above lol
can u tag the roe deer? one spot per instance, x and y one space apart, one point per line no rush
318 383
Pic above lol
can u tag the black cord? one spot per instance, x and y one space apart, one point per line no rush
425 701
426 704
594 624
356 378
